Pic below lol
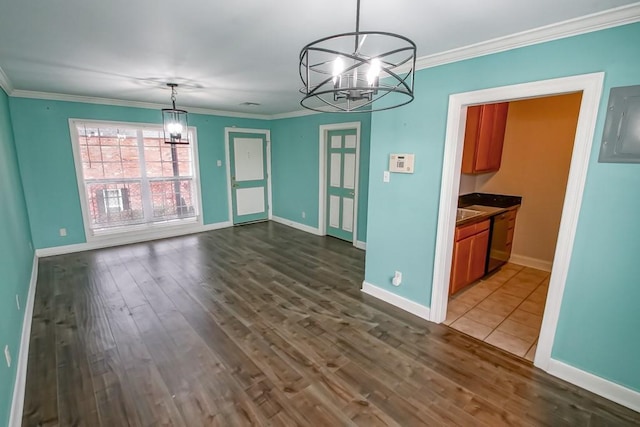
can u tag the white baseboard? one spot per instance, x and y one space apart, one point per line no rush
600 386
393 299
538 264
296 225
126 239
360 245
17 404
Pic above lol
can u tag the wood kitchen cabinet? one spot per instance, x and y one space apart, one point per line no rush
469 255
484 138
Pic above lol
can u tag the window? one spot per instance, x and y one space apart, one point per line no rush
131 178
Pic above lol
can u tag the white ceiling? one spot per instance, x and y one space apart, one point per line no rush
230 52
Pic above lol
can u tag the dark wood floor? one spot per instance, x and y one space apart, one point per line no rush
264 325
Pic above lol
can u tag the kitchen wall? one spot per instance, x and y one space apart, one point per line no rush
16 257
536 157
295 156
599 311
43 142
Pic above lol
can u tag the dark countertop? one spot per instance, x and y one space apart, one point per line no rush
485 199
489 204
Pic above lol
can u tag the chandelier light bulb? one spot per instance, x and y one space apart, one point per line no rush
174 128
374 71
338 68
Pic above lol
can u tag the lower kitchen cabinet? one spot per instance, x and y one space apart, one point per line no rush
469 255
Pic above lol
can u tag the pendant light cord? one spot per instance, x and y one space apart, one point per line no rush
355 50
174 92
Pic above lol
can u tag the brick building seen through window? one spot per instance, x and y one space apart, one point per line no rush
131 177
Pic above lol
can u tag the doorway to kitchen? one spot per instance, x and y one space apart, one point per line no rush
513 181
591 88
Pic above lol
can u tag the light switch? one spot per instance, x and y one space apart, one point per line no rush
386 176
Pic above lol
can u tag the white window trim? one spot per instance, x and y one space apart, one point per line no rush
143 231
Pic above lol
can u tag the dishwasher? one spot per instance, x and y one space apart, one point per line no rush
499 252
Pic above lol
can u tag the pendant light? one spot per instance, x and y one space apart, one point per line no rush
351 72
175 125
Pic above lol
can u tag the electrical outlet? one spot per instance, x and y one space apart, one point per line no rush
63 232
304 214
18 301
219 163
7 355
397 278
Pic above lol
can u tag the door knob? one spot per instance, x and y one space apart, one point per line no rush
352 193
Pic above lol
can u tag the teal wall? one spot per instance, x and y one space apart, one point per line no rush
295 156
16 257
600 319
43 140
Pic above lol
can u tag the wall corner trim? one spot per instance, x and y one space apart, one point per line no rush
5 83
393 299
595 384
360 245
17 404
296 225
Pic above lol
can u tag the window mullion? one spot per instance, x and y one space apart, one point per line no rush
145 187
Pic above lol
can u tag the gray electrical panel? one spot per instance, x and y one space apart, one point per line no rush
621 136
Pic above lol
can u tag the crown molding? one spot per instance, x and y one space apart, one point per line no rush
292 114
124 103
5 83
572 27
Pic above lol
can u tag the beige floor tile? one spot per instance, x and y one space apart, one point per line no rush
515 290
523 282
519 330
507 342
504 309
485 317
473 328
496 307
473 295
532 352
455 309
489 284
535 272
532 307
506 300
525 318
539 295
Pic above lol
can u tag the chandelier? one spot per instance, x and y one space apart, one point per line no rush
176 128
351 72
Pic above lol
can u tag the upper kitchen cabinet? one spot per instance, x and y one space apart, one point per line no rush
484 137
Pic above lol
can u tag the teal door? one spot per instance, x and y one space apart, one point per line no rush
341 183
248 167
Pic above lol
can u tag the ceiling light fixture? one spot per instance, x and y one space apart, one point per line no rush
350 72
175 125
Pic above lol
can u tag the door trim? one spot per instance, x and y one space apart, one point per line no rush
591 87
267 136
322 168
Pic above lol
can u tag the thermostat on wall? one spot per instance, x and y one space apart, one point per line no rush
401 163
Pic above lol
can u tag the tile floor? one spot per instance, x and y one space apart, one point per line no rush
504 309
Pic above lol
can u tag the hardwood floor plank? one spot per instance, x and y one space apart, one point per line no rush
41 393
264 325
